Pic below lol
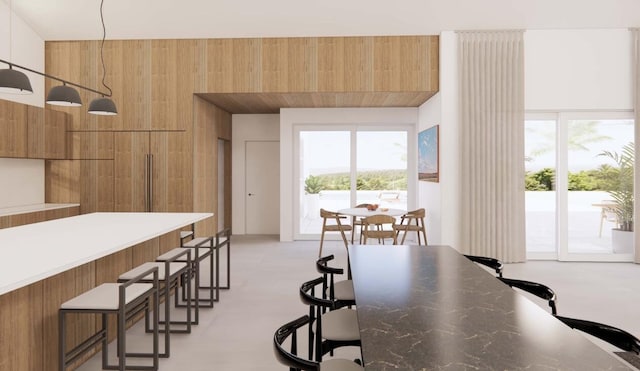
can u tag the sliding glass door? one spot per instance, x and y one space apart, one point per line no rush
579 186
342 168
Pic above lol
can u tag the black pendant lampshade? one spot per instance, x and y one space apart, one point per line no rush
103 106
64 95
14 82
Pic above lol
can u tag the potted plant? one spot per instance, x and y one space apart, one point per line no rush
622 194
312 188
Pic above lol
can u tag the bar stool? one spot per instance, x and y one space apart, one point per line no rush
199 244
223 238
125 300
199 254
169 273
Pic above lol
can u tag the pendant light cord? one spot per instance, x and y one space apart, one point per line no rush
104 35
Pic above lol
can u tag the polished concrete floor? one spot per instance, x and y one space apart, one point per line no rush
237 334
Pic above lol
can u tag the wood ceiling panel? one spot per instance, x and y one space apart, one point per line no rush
272 102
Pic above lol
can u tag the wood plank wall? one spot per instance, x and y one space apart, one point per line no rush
154 82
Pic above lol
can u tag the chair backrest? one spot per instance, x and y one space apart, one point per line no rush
537 289
492 263
328 275
610 334
419 213
330 215
379 226
362 205
379 220
290 358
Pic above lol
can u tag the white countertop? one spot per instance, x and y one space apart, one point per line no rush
32 252
25 209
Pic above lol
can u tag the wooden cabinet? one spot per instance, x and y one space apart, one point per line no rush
31 132
13 129
153 171
47 130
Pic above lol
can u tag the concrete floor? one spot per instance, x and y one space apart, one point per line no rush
237 334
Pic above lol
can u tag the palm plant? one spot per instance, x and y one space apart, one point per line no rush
623 192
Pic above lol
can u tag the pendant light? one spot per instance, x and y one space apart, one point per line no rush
104 105
16 82
64 95
12 81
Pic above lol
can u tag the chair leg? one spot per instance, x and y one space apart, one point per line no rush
321 242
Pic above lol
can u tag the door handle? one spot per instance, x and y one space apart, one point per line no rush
251 194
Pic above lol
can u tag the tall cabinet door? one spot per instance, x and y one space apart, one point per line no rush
172 175
131 167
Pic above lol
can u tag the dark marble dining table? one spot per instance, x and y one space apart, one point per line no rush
430 308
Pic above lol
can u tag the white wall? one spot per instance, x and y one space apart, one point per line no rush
441 199
246 128
429 193
24 48
21 182
578 70
289 117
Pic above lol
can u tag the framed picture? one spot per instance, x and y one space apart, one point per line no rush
429 155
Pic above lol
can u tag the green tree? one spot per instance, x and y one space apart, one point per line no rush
313 184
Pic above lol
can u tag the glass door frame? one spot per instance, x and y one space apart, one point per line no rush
562 193
298 188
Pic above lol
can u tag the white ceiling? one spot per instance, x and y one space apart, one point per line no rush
158 19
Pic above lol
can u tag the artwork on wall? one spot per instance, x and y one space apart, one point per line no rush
428 155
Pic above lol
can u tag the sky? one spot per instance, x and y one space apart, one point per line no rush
613 134
328 151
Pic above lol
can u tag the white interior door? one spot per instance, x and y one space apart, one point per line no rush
262 199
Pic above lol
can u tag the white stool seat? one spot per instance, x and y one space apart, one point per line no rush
185 234
199 242
340 365
106 297
341 324
343 290
173 269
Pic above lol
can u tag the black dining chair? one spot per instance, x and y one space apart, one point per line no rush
610 334
492 263
331 324
290 357
340 290
535 288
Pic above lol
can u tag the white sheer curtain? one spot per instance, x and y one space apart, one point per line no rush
491 78
635 52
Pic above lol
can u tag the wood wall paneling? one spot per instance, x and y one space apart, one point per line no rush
136 85
172 171
358 64
57 290
331 64
90 145
97 193
205 147
35 132
62 181
175 66
13 123
302 64
21 330
275 67
220 65
129 173
55 134
247 65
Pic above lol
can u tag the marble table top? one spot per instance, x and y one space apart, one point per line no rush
430 308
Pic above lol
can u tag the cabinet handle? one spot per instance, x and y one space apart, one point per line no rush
150 183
